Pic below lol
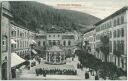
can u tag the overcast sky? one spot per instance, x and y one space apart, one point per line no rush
98 8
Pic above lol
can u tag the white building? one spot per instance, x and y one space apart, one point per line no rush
115 26
89 37
23 38
65 40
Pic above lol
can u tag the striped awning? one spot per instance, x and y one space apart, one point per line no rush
34 51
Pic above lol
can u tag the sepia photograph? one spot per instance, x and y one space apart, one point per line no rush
63 40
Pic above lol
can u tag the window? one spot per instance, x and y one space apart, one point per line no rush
110 24
118 21
43 43
64 43
50 43
58 35
110 46
49 35
110 34
122 19
114 22
122 32
114 45
58 42
118 33
69 43
54 42
4 42
122 46
17 43
39 43
53 35
114 33
118 45
20 44
122 61
18 32
11 33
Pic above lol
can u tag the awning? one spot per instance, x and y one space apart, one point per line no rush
16 60
13 41
32 41
34 51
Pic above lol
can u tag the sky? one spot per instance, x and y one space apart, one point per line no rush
98 8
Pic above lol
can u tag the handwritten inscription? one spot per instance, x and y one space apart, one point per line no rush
69 5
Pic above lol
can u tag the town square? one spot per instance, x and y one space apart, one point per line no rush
42 42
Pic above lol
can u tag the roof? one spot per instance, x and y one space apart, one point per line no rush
41 37
89 30
20 26
55 48
113 15
68 37
16 60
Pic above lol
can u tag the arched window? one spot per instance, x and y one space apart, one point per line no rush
4 43
122 19
54 42
69 43
64 43
58 42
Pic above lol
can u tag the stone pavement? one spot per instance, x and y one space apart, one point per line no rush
29 75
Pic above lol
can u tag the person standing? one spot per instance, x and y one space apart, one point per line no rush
86 75
4 69
13 70
96 77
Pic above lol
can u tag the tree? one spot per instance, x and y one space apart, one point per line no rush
86 46
118 53
104 46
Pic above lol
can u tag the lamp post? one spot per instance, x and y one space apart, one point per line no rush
30 54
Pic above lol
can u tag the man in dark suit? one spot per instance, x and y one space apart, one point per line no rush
86 75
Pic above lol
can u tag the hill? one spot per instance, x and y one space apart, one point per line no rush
36 15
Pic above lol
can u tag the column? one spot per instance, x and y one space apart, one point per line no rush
60 57
55 56
46 56
64 56
49 56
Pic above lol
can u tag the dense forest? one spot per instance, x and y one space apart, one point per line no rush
36 15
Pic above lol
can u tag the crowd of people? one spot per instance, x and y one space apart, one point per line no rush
44 72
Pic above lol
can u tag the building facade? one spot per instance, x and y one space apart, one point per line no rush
22 39
115 26
89 37
65 40
5 17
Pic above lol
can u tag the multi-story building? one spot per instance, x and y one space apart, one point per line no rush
115 26
23 38
89 37
65 40
5 17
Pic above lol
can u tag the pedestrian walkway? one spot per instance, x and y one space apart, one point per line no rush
81 73
49 77
31 75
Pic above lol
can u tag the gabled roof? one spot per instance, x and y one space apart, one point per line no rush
113 15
